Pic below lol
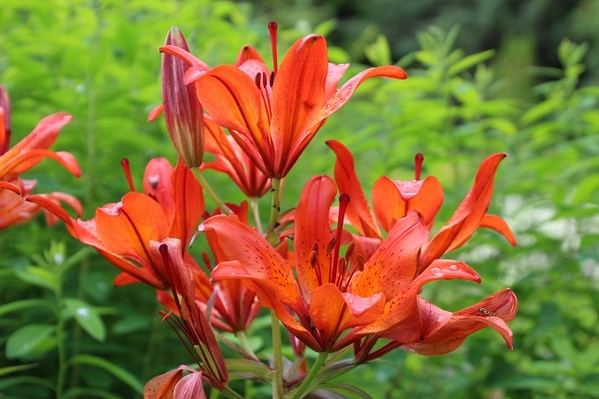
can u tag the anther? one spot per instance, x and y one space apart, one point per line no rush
330 246
258 79
350 250
360 262
341 267
313 258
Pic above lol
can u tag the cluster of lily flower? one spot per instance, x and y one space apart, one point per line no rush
336 276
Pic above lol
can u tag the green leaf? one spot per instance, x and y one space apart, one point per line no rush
354 391
25 304
117 371
379 53
87 317
31 341
15 369
469 62
38 276
89 393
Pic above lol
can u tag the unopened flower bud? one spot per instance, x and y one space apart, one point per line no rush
183 112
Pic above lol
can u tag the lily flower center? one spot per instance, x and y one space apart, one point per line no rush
341 269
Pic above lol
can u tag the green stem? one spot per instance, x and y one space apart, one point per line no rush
229 393
277 384
275 205
244 343
208 190
60 338
256 213
322 357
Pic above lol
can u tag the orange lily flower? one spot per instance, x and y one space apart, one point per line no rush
274 115
332 293
22 157
123 232
393 200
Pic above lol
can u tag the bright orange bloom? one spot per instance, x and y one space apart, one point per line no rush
273 115
22 157
332 293
123 232
393 200
440 331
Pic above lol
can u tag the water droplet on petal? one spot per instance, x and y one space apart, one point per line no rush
435 270
453 268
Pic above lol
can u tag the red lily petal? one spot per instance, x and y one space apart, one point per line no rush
163 385
188 202
123 279
233 101
190 387
469 214
10 186
270 293
332 311
297 98
498 224
443 332
348 89
393 266
128 227
157 184
239 242
393 199
358 211
446 269
334 74
312 225
28 158
247 53
155 113
184 55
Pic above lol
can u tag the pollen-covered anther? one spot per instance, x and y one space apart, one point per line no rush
330 246
359 262
313 259
342 266
350 250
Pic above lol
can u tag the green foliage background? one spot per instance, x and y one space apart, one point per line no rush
98 61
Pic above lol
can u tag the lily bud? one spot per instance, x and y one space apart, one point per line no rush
183 112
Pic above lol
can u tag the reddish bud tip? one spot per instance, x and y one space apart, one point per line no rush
127 169
418 159
272 28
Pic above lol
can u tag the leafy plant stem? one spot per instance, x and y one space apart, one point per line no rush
256 213
60 337
229 393
322 357
277 384
244 343
211 193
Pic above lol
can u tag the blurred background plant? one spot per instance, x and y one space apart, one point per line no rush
519 77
